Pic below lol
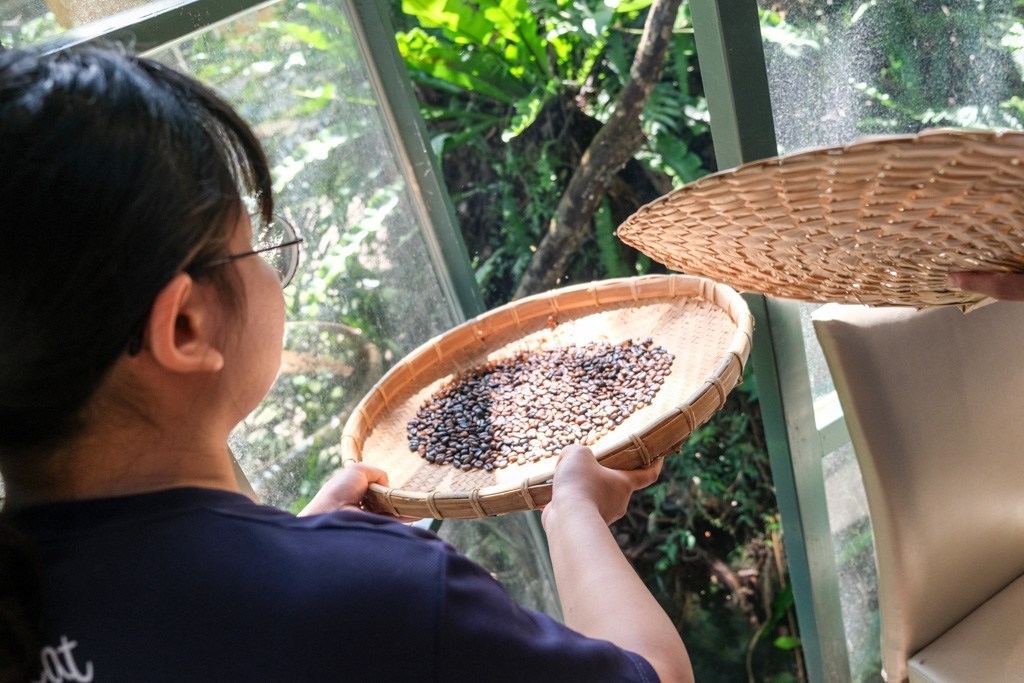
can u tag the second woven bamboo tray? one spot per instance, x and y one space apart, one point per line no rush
706 326
881 221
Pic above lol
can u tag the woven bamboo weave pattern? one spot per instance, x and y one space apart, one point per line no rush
705 325
878 222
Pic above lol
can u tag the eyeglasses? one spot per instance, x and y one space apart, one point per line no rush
278 243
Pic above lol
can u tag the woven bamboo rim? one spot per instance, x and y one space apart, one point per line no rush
706 325
878 222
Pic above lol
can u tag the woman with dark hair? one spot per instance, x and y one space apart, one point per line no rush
142 321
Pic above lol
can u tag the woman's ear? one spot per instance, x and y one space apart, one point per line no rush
182 328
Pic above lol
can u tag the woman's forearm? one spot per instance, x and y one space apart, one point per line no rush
603 597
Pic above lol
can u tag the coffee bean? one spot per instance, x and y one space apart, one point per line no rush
532 404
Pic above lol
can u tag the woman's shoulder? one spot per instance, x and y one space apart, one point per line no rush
196 522
215 542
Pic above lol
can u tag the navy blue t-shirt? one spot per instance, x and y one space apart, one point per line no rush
192 585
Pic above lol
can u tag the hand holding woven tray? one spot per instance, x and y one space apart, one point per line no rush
879 222
706 327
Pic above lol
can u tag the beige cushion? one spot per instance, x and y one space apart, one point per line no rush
933 402
988 645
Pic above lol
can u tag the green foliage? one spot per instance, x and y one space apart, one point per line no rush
960 54
608 247
719 480
675 117
510 58
512 95
494 50
520 224
29 31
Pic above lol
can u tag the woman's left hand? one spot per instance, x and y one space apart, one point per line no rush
346 489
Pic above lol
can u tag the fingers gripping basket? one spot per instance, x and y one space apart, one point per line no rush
704 325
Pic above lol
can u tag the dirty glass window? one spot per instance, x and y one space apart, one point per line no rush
26 22
366 292
370 286
841 70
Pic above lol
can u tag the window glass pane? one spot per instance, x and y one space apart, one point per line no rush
28 21
854 547
513 548
366 292
891 66
821 380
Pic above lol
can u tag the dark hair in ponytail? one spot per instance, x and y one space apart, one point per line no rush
116 173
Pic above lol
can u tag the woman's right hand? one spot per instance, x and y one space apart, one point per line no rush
581 481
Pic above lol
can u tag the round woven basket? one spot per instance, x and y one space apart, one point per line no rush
706 326
878 222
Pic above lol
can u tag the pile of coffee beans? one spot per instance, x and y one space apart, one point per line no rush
532 404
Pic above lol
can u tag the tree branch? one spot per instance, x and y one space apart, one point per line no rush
614 145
